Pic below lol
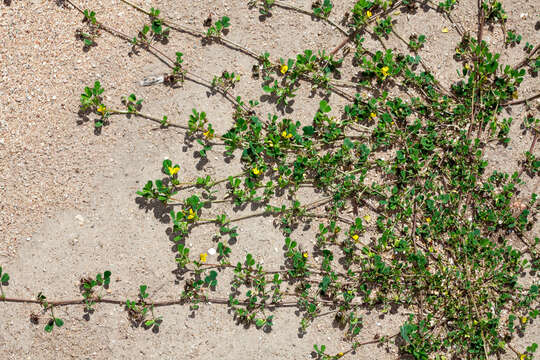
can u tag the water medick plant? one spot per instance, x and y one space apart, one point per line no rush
408 215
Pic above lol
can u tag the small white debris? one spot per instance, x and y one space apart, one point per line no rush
152 80
211 251
524 16
80 218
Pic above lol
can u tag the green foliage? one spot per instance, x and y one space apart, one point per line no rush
91 98
322 8
383 27
226 81
53 320
447 5
92 101
416 42
89 36
494 12
89 285
512 38
132 104
141 311
412 217
263 6
197 121
155 31
216 30
4 281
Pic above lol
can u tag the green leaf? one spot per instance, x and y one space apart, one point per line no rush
324 107
405 331
166 164
348 143
308 130
58 322
49 326
142 290
5 278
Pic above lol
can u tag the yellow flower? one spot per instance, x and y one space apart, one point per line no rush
445 30
373 115
523 357
367 218
384 71
256 171
339 354
203 257
355 237
102 109
467 66
173 170
208 134
524 320
286 135
305 255
191 214
284 69
428 220
369 14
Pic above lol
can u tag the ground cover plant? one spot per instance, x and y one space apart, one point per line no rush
396 183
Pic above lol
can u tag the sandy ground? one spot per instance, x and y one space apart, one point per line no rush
67 197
